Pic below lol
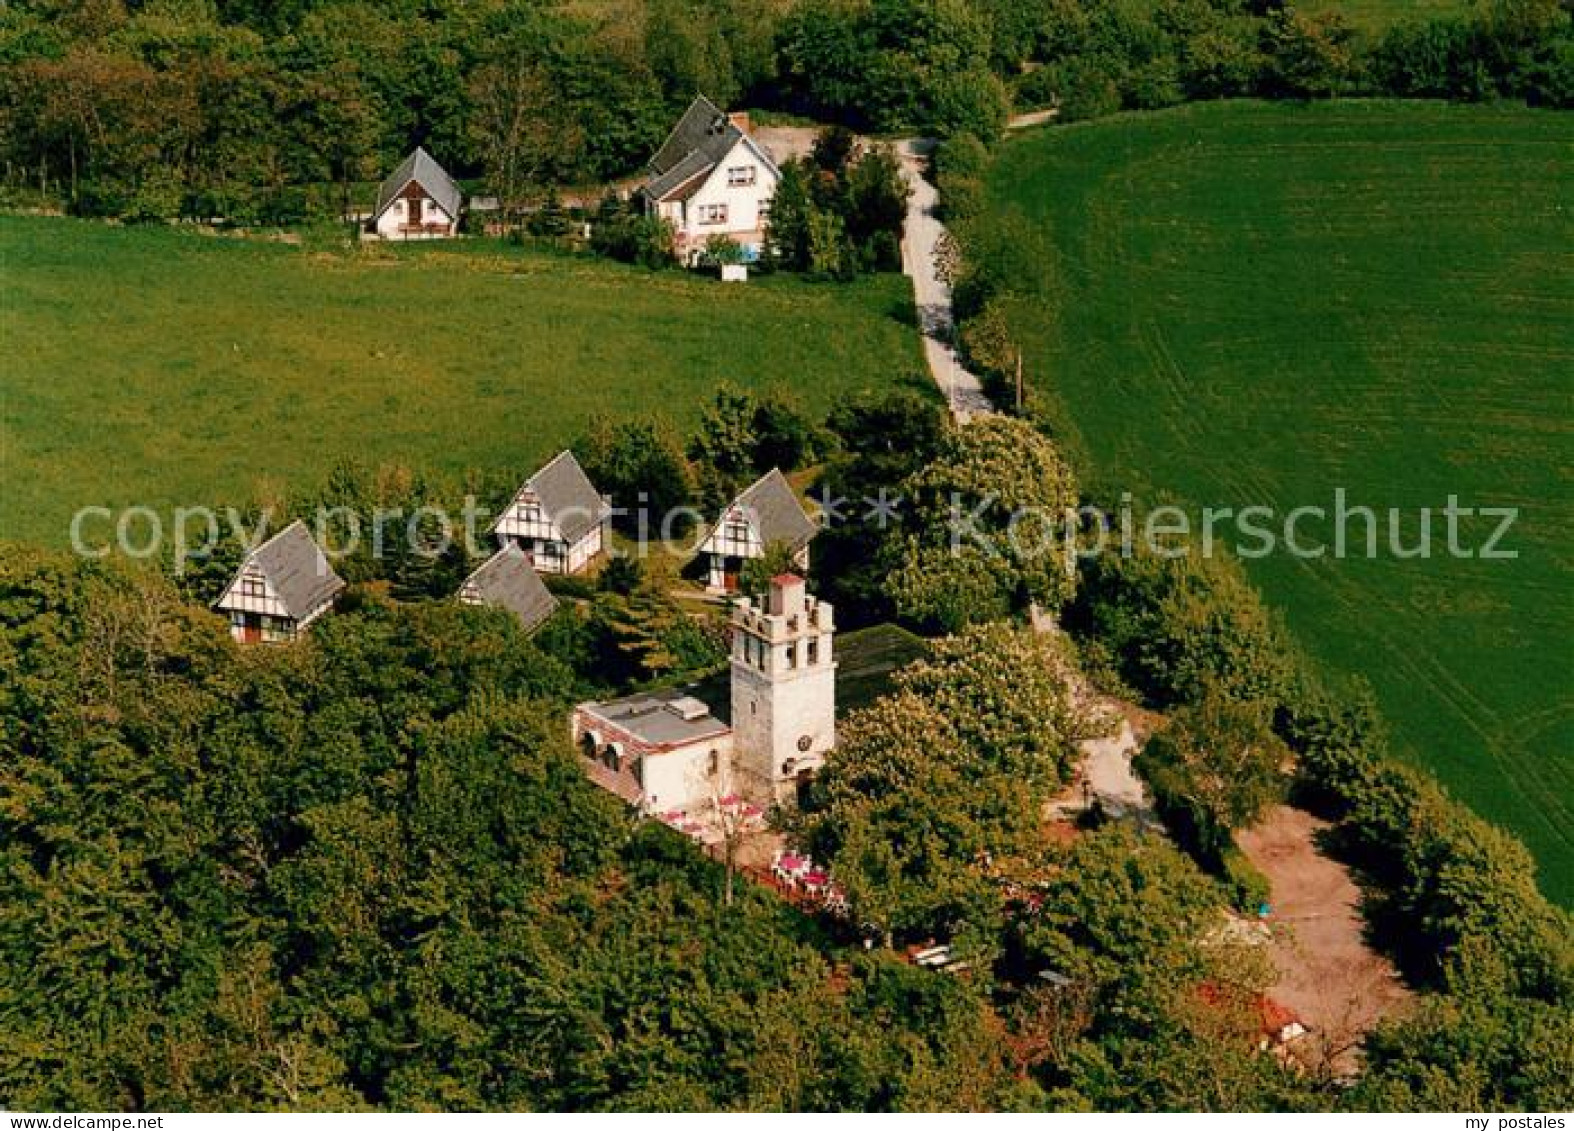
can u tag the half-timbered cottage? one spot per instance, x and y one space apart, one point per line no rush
557 518
418 201
506 581
281 587
765 515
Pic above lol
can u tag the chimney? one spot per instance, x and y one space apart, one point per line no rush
786 594
740 118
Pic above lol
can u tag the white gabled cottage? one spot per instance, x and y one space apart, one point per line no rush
506 581
766 514
557 518
710 178
418 201
281 587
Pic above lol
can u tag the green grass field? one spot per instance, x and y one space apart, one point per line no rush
145 365
1377 16
1256 304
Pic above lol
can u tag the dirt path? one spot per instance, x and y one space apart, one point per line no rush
1032 118
963 390
1338 985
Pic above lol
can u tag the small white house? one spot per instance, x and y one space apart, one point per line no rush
660 751
765 515
281 588
710 178
506 581
418 201
557 519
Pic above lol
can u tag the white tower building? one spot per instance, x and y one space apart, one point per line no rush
783 690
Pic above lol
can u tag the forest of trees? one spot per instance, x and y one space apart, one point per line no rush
273 113
366 871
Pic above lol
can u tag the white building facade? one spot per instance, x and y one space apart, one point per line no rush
666 751
766 514
280 589
710 178
417 201
557 518
783 689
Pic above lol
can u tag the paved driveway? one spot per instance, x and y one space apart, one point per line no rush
963 390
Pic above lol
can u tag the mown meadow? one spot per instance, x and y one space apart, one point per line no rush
1377 16
165 368
1248 304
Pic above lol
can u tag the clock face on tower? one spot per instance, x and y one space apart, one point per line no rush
804 743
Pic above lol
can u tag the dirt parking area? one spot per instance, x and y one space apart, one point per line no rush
1328 975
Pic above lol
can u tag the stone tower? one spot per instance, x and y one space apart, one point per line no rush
783 690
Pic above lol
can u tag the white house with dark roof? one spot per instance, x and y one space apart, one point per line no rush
558 519
668 751
660 750
418 201
710 178
506 581
281 588
765 515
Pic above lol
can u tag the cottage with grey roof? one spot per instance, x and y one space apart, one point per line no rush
506 581
767 514
558 519
710 178
281 588
418 201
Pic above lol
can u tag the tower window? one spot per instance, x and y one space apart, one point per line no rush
792 656
814 651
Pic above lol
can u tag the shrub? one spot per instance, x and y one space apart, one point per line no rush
643 240
1082 88
1215 769
720 251
1176 626
1249 888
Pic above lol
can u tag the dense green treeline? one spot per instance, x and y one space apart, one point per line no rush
366 870
273 113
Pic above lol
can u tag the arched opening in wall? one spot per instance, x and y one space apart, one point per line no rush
587 745
802 783
612 756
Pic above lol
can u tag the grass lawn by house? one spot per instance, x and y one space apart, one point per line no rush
1377 16
1257 304
867 658
163 367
